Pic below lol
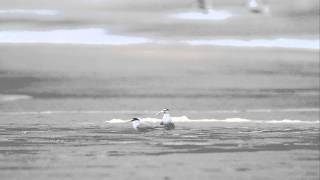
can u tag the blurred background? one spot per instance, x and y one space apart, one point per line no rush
151 18
150 54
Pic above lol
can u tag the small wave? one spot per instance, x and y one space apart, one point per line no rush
254 111
215 15
93 36
181 119
35 12
269 43
98 36
292 121
285 110
13 97
185 119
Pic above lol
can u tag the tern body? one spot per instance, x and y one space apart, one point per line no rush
257 6
140 126
166 120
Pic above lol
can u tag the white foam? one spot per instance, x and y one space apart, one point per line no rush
254 111
184 119
292 121
35 12
69 36
181 119
98 36
213 15
284 110
13 97
270 43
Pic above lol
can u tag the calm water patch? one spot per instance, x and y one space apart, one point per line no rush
212 15
147 112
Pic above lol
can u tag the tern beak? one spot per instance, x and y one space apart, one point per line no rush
158 113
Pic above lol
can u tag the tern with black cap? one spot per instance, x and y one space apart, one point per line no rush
139 126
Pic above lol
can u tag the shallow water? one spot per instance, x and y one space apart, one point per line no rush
244 113
213 15
186 138
80 146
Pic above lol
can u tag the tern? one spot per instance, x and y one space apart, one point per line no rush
166 120
257 6
139 126
202 5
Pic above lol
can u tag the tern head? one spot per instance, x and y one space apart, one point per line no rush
165 110
162 111
134 119
135 122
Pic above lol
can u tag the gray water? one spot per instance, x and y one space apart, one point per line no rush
83 146
243 89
